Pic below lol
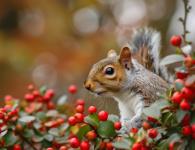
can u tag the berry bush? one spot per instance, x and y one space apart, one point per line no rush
37 123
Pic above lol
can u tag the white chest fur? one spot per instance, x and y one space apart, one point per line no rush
130 106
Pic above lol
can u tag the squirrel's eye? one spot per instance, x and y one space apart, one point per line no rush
109 71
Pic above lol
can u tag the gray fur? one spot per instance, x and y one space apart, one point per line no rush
151 39
146 83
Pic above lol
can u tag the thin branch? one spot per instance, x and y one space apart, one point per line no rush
183 20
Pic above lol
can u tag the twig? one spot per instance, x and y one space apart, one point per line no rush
183 20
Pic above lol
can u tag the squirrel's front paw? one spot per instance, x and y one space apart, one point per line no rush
136 122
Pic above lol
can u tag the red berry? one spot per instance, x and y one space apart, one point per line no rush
179 81
63 148
181 74
84 145
136 146
8 98
152 133
91 135
134 130
176 40
102 145
50 105
79 117
103 115
46 98
193 128
146 125
7 108
60 120
177 97
151 119
80 108
188 93
186 130
92 109
31 87
74 142
117 125
50 93
109 146
80 102
29 97
186 120
14 112
1 115
188 61
171 146
72 120
17 147
72 89
184 105
50 148
36 93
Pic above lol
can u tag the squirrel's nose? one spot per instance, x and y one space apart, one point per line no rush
88 85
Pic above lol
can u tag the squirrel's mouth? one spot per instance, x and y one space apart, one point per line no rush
100 93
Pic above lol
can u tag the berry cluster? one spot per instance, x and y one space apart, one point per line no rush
183 96
43 96
173 127
91 128
9 113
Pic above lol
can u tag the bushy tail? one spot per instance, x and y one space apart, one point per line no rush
146 45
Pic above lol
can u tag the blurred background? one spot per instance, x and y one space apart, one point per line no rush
55 42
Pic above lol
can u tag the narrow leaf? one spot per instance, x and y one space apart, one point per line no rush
170 59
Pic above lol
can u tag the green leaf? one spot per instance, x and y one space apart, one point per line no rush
46 144
190 80
27 119
37 138
174 138
178 86
192 144
41 116
106 129
62 100
155 109
10 139
54 132
180 115
82 131
193 118
52 113
170 59
43 90
92 120
122 144
2 133
61 140
113 118
28 133
163 145
48 137
169 119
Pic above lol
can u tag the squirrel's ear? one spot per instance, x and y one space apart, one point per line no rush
125 57
111 53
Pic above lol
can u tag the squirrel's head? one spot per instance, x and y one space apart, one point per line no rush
109 76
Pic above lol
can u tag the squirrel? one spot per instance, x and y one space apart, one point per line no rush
133 78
